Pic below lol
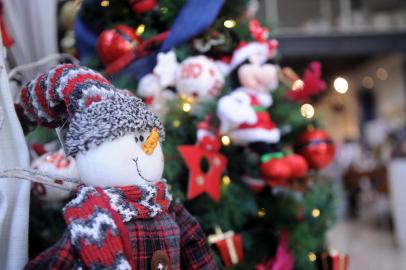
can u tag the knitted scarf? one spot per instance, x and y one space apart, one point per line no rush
95 220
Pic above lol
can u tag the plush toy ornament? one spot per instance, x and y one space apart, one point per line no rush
199 79
243 113
122 216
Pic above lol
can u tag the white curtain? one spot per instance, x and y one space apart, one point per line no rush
14 194
33 25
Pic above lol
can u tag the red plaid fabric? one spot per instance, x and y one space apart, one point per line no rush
175 231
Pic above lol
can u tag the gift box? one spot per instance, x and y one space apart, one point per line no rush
332 261
229 245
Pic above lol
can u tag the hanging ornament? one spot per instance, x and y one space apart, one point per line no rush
115 43
332 261
200 181
229 245
198 79
316 146
311 83
55 164
255 184
142 6
283 259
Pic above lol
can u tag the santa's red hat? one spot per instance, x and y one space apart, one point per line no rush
259 50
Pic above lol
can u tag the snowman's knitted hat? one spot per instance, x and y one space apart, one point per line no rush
94 110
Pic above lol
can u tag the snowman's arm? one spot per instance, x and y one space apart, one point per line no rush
64 183
60 256
194 249
235 109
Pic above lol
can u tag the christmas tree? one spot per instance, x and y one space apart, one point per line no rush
259 204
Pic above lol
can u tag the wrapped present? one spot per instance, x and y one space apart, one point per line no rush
333 261
229 245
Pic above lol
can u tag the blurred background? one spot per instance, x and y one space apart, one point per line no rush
362 46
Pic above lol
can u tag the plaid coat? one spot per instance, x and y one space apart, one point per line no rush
174 232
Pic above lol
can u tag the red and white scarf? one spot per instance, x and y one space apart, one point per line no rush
96 217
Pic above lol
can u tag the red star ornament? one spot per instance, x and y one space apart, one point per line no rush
200 181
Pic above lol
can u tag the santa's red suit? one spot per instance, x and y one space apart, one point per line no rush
245 119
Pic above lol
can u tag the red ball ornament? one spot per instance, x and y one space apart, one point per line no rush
298 166
116 42
316 147
275 171
142 6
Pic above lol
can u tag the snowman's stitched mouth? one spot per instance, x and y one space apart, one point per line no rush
139 171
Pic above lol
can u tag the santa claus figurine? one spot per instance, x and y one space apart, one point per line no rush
122 216
243 113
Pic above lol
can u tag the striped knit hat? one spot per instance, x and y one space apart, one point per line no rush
94 109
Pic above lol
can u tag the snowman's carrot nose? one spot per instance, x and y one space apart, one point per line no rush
151 142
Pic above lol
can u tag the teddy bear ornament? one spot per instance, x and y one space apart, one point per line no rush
122 216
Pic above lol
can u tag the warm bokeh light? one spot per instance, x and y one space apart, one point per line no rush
307 111
261 213
312 256
225 140
226 180
297 85
176 123
105 3
381 74
316 213
140 29
341 85
186 107
368 82
230 23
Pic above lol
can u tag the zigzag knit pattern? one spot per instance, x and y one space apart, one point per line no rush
96 217
53 96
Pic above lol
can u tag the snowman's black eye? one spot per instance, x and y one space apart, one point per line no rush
141 138
136 139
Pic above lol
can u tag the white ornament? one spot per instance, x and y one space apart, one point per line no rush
199 79
155 96
121 162
166 68
55 164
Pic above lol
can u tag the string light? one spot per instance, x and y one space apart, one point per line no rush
341 85
382 74
297 85
230 23
164 10
307 111
261 213
176 123
140 29
186 107
105 3
225 140
315 213
226 180
312 257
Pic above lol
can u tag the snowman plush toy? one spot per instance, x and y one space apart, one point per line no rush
243 113
122 216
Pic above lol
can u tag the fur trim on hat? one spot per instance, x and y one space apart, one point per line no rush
258 49
107 120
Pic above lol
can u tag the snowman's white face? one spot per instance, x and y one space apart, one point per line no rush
122 162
